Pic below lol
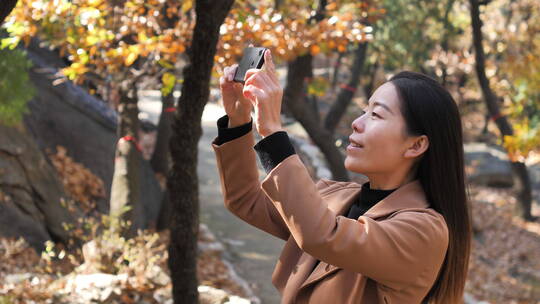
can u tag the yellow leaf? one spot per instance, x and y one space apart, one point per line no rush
130 59
187 5
168 81
142 37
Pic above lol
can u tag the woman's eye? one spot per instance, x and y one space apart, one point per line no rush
375 114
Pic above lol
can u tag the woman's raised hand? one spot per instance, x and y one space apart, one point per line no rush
237 107
262 88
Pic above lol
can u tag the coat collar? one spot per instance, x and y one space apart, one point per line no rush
410 195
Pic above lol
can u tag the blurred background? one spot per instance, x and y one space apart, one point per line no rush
109 190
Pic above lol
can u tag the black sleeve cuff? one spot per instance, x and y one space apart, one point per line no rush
273 149
226 134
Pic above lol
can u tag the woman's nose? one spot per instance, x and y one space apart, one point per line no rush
358 124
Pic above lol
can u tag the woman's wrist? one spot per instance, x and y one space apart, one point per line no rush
269 132
238 121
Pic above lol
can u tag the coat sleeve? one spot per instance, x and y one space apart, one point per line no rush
241 188
394 252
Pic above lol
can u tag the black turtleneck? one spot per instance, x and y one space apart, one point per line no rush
368 198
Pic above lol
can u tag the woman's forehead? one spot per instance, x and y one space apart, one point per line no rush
386 95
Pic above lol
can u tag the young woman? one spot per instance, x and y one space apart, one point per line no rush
403 236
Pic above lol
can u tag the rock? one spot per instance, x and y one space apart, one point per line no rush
96 287
210 295
17 278
157 276
64 114
32 192
490 164
207 241
15 223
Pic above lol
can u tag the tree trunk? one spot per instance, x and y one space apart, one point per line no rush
337 65
125 185
372 72
444 44
298 70
520 170
6 6
161 156
293 99
182 182
346 93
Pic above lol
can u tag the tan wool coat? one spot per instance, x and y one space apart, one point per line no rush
391 254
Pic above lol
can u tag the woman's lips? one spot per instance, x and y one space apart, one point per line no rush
353 145
350 147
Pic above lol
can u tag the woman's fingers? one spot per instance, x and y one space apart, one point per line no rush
250 73
269 62
263 81
254 93
228 72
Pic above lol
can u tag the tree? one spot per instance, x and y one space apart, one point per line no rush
112 46
15 87
518 77
297 40
182 183
492 103
14 92
6 6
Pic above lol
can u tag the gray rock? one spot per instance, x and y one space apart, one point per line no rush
14 223
64 114
491 165
34 193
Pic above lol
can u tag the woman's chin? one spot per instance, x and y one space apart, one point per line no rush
350 165
353 165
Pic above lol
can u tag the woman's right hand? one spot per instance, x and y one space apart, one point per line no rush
237 107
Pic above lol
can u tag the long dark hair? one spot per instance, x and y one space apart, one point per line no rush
429 109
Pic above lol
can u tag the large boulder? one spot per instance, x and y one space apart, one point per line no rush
489 165
30 192
64 114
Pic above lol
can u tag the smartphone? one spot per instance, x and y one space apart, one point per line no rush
253 58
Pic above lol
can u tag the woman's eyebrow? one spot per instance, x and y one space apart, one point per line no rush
376 103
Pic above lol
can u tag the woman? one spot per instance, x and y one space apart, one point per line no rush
403 236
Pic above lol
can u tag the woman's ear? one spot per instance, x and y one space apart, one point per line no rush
419 145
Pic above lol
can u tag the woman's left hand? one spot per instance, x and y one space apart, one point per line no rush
262 88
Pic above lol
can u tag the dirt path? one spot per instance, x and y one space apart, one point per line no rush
253 252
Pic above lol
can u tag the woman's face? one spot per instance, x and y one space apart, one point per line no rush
380 132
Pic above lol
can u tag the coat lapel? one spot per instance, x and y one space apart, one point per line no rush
410 195
339 202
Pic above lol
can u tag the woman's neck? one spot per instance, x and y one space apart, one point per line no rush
389 182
